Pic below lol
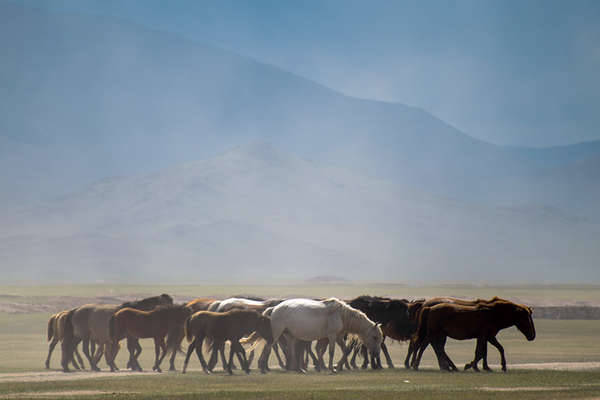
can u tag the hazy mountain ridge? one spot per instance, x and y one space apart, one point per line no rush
153 99
260 213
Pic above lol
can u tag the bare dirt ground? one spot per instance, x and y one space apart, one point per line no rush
47 376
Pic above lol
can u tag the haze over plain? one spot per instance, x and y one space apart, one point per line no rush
231 167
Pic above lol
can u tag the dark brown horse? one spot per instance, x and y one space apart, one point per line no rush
155 324
217 328
414 316
393 315
481 321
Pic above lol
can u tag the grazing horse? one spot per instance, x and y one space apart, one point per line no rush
56 331
392 314
155 324
90 323
481 321
412 347
309 320
239 303
217 328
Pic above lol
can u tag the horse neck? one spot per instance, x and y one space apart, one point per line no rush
355 321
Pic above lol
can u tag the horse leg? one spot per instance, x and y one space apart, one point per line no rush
484 357
163 351
411 350
314 358
437 345
76 353
97 356
111 351
331 353
481 344
418 353
345 352
91 357
365 354
226 365
250 357
156 355
451 364
497 345
190 350
354 354
50 350
239 349
320 348
214 357
176 348
263 360
279 360
388 359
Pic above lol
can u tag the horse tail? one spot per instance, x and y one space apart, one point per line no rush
422 326
174 339
51 332
187 331
252 340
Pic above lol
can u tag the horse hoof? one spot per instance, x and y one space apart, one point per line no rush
467 366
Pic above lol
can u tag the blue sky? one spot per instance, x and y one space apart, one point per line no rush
509 72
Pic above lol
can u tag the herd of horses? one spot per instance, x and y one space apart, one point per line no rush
288 327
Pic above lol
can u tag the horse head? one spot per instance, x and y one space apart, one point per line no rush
373 339
524 321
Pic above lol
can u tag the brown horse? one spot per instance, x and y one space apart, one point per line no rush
482 322
56 331
89 323
239 303
413 350
217 328
155 324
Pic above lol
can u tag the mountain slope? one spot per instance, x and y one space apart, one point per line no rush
90 97
257 214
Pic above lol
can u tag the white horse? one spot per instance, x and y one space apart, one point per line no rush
309 320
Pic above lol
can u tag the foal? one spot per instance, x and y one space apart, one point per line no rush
217 328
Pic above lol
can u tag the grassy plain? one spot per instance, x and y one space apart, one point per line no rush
23 349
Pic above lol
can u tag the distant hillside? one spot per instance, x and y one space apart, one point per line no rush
86 98
257 214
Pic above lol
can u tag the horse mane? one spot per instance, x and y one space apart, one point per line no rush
244 296
354 320
148 301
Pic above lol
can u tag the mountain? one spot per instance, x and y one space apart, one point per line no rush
256 214
86 98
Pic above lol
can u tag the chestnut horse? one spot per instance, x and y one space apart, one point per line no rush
482 322
155 324
412 347
217 328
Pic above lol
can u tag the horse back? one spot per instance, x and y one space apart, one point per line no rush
461 321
